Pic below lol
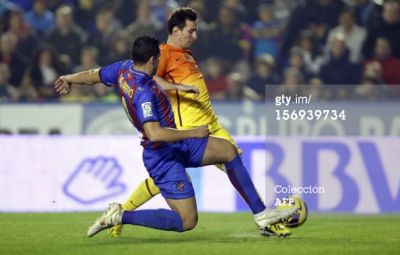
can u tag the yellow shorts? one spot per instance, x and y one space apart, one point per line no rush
217 130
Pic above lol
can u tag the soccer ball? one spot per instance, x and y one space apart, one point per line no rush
298 218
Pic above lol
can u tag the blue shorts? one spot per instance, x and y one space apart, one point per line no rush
167 165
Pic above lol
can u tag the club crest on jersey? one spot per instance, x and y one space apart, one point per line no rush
146 107
180 186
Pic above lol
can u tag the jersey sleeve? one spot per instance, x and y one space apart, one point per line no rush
109 74
145 105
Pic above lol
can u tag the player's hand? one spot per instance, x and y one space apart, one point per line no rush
188 89
62 86
201 131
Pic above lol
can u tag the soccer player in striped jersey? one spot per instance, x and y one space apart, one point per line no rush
177 65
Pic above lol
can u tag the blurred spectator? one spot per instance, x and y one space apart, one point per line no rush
241 10
27 40
10 56
293 75
7 91
97 92
202 45
312 52
354 35
123 9
145 23
390 65
370 89
212 10
243 68
5 7
84 11
338 70
319 32
40 18
283 8
89 60
236 89
373 69
318 90
43 71
296 60
365 11
120 48
388 26
26 91
322 13
105 30
105 94
292 84
266 32
53 5
161 9
225 38
66 37
214 75
263 79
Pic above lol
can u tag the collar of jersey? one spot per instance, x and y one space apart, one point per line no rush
140 73
176 48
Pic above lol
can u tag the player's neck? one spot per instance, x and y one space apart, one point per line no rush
173 43
145 68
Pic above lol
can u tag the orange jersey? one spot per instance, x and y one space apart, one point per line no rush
178 66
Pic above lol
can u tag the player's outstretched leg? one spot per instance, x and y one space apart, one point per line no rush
143 193
161 219
182 218
222 151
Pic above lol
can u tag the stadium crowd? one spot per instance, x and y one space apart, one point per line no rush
332 49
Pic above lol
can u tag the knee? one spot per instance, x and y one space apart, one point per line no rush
189 222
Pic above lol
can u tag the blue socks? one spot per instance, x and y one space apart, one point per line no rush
161 219
241 180
169 220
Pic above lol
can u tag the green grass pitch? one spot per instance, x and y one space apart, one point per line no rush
230 233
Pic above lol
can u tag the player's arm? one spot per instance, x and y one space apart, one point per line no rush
89 77
165 85
156 133
162 71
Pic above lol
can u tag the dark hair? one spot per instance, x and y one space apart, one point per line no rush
145 47
179 16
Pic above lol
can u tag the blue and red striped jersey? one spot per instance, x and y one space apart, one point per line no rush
142 98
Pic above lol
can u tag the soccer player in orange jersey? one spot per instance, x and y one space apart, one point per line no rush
177 65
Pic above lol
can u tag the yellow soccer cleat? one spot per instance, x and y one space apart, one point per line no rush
115 231
269 217
275 230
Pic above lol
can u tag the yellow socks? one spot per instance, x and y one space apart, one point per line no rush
143 193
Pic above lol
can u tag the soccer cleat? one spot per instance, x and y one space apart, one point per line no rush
111 217
276 230
271 216
115 231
